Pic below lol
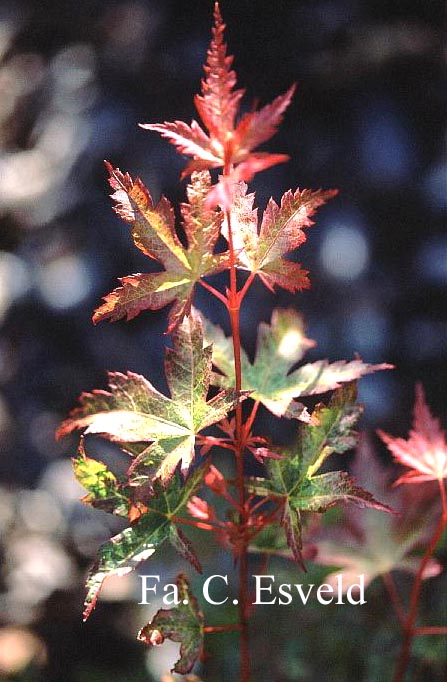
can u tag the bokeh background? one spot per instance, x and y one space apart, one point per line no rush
76 77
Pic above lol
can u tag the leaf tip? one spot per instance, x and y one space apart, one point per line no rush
109 166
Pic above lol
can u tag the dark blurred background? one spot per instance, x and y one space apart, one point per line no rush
76 77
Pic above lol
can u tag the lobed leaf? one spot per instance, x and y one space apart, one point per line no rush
141 539
229 143
293 479
270 378
281 231
153 231
134 411
183 624
425 451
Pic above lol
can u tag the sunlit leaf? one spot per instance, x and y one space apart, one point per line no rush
133 411
153 231
262 249
228 143
271 378
425 451
104 490
140 540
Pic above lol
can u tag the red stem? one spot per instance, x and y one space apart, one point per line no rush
246 286
258 504
261 571
189 522
249 423
443 499
431 630
394 596
210 629
409 626
234 303
215 292
212 441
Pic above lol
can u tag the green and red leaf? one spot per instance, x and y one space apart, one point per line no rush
294 479
153 231
271 378
134 411
124 552
183 624
262 250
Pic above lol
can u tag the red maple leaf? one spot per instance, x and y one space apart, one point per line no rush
153 231
228 143
425 451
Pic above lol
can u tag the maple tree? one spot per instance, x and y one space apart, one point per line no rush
167 438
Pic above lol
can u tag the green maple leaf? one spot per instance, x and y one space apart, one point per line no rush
270 378
182 624
375 544
281 231
294 478
134 412
122 553
153 231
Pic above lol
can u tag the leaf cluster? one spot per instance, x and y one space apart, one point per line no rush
296 478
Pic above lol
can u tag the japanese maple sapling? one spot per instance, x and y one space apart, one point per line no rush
166 437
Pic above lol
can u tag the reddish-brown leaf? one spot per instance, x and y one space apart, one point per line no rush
153 231
281 231
219 102
425 451
229 143
200 509
216 482
257 127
